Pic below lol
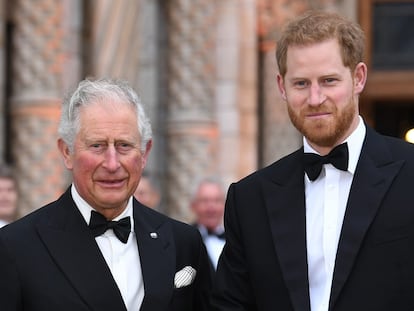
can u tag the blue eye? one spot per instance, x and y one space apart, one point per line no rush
301 83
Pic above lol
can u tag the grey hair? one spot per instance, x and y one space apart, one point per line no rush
92 91
215 180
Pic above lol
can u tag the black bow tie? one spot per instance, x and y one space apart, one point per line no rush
221 235
338 157
98 225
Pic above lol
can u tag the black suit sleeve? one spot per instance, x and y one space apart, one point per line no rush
232 290
10 288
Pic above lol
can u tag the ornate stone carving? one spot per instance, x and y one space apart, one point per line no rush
37 52
37 65
39 168
191 130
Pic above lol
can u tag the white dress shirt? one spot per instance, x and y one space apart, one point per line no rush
326 200
214 245
3 223
122 259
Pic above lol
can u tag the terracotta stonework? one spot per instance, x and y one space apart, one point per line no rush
37 69
205 70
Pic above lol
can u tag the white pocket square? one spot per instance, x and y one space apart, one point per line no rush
184 277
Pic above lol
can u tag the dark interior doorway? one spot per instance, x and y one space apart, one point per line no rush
394 118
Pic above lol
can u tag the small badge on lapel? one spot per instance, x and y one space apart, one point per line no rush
154 235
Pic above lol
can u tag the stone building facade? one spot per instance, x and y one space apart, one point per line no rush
205 70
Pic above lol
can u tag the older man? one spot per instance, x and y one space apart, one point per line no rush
96 247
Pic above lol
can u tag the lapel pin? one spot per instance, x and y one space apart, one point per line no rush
154 235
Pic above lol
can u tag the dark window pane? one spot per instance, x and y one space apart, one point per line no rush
394 118
393 46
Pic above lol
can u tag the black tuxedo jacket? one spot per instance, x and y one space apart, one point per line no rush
264 263
49 260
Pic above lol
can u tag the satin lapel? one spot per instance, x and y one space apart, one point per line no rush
286 208
156 251
373 176
75 251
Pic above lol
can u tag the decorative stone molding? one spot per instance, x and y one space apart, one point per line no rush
37 53
37 62
38 163
191 129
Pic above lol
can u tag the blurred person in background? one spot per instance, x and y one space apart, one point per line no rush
147 193
8 195
207 204
96 247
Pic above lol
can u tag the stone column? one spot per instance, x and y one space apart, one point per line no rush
191 127
114 43
279 137
37 60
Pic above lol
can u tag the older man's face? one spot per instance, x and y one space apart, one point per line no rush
107 161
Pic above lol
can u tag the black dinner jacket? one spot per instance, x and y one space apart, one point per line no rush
49 260
264 263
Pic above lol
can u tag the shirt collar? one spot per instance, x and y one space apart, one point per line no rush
85 209
204 232
3 223
354 141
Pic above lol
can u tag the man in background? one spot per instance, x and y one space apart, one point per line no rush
207 204
8 195
147 193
